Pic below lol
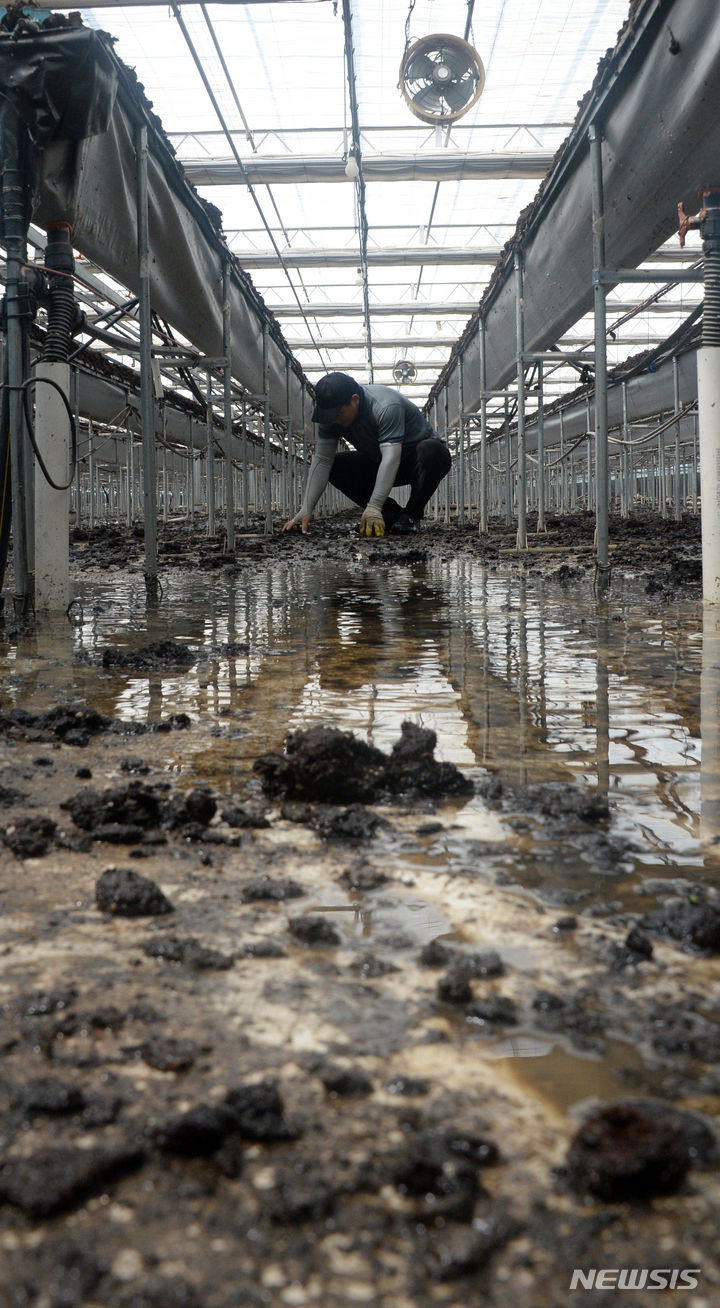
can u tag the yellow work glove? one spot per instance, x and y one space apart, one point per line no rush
372 522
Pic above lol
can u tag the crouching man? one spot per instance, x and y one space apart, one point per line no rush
393 445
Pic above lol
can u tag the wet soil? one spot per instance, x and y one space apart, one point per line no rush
336 1037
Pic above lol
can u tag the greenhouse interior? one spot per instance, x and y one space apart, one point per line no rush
360 653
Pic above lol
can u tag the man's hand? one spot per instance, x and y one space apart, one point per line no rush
372 523
303 524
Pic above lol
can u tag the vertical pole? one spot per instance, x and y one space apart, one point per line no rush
210 460
75 388
191 472
521 472
625 499
165 483
508 466
130 473
600 306
662 473
227 408
447 438
147 398
245 470
14 188
541 454
91 471
695 463
461 444
678 484
266 431
563 469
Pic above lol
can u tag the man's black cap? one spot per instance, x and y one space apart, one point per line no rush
333 391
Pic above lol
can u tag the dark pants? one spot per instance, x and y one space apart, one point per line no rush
422 468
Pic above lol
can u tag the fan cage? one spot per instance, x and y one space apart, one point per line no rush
418 65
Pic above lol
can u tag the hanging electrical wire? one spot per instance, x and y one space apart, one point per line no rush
228 135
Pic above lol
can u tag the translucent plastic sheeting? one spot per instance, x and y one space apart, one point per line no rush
656 103
92 185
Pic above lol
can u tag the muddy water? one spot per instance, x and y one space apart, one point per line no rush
525 681
516 676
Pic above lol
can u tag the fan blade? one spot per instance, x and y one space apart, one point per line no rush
429 99
460 93
457 60
419 68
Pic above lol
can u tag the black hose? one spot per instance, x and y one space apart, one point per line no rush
61 313
31 381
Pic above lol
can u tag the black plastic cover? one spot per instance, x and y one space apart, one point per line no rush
64 85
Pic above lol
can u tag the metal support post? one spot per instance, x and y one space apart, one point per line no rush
14 192
677 498
147 397
447 438
521 472
540 454
227 409
600 306
91 471
461 446
245 470
266 432
508 467
191 472
210 459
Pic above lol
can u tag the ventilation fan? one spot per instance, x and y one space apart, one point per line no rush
404 371
441 77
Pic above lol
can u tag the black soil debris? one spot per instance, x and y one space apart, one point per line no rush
190 952
629 1150
53 1181
125 893
695 924
335 767
31 837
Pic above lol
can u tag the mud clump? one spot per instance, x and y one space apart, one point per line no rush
197 1133
190 952
311 929
346 1082
694 925
50 1097
627 1150
334 767
352 823
166 1054
53 1181
275 889
155 657
31 838
258 1113
125 893
323 764
135 807
440 1173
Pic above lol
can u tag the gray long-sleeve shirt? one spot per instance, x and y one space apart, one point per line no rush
386 422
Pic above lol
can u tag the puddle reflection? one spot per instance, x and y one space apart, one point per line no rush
517 675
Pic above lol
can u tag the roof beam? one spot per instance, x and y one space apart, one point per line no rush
411 343
419 255
445 309
448 166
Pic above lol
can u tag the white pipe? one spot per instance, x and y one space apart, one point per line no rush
52 437
708 367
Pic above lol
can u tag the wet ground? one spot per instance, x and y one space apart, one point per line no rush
300 1005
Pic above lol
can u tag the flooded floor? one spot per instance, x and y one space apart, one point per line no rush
488 966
